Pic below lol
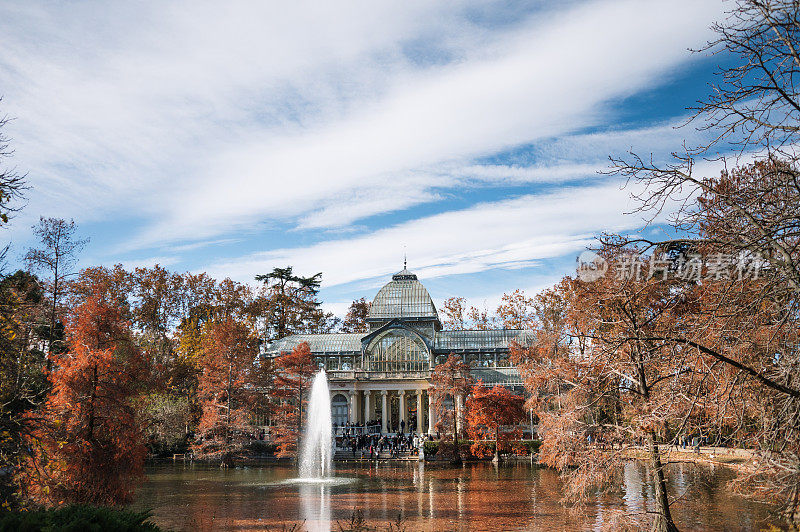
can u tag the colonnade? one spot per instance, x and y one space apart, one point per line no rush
370 405
363 407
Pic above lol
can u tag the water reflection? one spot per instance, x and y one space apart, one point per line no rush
316 507
475 497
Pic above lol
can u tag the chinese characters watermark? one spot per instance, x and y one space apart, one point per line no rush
688 267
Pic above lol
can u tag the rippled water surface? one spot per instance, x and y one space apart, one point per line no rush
474 497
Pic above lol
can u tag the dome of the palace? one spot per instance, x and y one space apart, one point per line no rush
403 297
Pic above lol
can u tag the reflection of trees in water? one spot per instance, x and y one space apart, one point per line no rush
432 497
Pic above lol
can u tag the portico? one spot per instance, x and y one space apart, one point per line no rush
395 405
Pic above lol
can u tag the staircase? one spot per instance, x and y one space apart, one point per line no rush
346 455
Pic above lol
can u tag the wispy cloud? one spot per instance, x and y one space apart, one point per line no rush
506 235
205 121
539 81
178 127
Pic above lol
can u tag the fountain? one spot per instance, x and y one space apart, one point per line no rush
316 456
316 460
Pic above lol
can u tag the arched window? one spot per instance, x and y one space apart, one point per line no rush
339 410
397 350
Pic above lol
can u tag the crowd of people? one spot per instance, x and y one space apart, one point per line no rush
352 429
373 445
349 429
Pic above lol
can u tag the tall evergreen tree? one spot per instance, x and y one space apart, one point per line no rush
290 304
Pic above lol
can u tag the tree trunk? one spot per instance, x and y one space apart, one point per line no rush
456 449
49 358
227 461
792 511
663 521
92 398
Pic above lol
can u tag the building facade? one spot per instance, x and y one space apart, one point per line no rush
379 379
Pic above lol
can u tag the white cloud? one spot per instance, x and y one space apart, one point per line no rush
199 121
116 101
545 79
499 235
204 121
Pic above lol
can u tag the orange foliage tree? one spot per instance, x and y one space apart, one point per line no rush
453 313
489 413
356 318
604 381
230 385
450 381
89 444
517 310
295 371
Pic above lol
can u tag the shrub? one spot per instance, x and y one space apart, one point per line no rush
431 448
261 447
481 449
525 447
77 518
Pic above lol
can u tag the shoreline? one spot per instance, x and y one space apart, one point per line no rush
726 456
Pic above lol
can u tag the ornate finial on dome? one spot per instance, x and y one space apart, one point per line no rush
405 262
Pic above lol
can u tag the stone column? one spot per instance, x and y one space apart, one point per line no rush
353 411
431 415
401 414
384 410
419 412
367 407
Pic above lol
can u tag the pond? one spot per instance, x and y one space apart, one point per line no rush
428 497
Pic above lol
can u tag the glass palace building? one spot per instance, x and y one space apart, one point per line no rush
384 374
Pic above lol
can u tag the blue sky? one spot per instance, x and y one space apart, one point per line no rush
335 137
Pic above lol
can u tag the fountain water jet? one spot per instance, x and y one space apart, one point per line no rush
316 456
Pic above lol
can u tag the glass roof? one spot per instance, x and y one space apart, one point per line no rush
403 297
320 343
445 341
477 339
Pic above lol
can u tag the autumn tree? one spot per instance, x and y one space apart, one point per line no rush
492 413
89 445
294 373
745 217
56 257
481 319
458 316
356 319
517 310
230 384
450 383
196 304
23 384
21 379
155 292
454 312
195 300
607 379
